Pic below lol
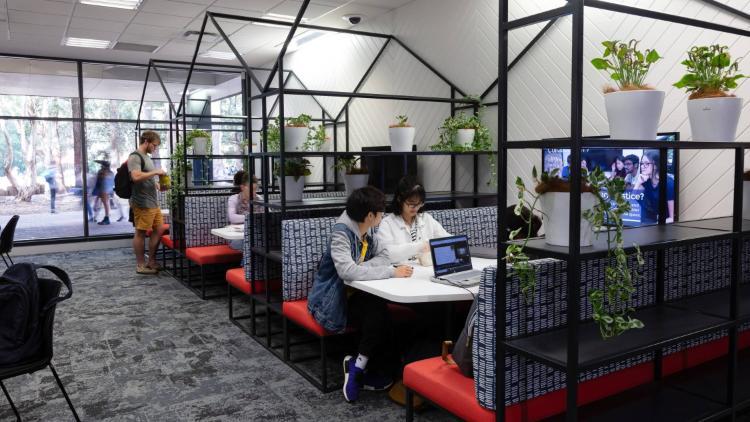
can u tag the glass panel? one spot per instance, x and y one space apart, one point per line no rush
38 88
40 178
114 92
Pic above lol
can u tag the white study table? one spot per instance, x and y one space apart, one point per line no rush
230 232
418 288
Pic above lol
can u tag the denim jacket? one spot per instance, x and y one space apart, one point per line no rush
327 301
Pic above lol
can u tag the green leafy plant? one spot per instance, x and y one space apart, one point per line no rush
611 309
402 121
482 139
348 164
711 72
315 139
296 167
198 133
273 136
303 120
627 65
180 167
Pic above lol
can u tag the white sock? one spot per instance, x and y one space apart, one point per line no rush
361 362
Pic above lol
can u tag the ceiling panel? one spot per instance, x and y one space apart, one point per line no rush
291 7
97 24
146 31
105 13
41 6
158 19
174 8
26 28
177 47
254 36
18 16
255 5
387 4
92 33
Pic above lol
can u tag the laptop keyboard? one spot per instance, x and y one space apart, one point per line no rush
467 275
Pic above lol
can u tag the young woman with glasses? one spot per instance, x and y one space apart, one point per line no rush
405 233
648 181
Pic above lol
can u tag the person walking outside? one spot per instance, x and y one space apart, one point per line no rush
50 176
145 203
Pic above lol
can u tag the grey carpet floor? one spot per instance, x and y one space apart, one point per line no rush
144 348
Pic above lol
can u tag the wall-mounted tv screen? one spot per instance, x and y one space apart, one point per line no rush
639 167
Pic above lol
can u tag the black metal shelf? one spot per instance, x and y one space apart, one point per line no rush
218 156
567 143
367 153
664 325
718 223
273 254
341 201
367 95
716 303
647 237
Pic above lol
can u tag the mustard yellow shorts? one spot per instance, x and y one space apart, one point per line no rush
147 218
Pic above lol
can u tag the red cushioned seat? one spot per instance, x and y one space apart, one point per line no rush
217 254
236 278
167 241
166 230
296 311
446 386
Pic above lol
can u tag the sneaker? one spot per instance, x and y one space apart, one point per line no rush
104 222
120 219
352 379
142 269
52 211
374 381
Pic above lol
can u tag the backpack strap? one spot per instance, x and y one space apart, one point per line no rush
63 276
143 162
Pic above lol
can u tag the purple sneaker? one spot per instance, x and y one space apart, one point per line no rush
374 381
353 377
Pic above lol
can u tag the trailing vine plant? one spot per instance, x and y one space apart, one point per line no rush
199 133
610 305
482 140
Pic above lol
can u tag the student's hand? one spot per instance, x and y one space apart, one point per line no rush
160 172
403 271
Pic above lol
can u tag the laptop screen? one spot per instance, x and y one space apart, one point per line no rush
450 255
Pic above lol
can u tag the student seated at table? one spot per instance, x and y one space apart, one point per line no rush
354 254
240 204
406 232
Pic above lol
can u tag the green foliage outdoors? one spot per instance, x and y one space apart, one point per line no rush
627 65
711 71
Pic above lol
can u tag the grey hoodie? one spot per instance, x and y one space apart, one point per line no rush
376 268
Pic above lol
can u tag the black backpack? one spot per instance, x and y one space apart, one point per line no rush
24 300
123 182
462 350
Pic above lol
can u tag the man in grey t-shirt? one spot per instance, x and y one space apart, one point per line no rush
144 202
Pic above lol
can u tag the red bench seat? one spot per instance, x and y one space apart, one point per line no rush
217 254
296 311
236 278
166 240
166 230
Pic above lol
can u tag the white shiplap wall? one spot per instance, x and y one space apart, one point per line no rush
460 39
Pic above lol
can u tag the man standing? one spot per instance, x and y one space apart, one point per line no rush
145 203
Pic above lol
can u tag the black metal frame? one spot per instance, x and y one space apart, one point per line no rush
571 335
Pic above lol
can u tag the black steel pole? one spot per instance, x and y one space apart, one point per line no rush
282 137
502 198
574 238
366 75
143 95
236 52
453 157
183 103
84 163
289 36
736 277
163 87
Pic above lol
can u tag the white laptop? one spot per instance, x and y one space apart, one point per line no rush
451 260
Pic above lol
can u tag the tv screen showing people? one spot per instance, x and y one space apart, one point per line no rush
639 168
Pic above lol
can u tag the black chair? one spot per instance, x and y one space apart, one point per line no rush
47 289
6 240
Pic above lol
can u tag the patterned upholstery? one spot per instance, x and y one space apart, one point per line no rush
203 213
303 244
526 379
473 222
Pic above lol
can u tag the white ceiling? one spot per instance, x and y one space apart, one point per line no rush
39 27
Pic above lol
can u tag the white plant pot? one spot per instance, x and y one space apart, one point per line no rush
190 178
465 137
556 209
634 115
294 188
714 119
353 182
294 138
746 200
200 146
402 138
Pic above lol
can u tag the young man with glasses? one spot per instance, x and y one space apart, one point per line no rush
145 203
632 166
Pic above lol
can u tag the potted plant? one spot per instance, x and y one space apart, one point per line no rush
401 135
554 200
200 140
315 139
634 108
295 170
610 304
449 140
296 132
355 176
713 111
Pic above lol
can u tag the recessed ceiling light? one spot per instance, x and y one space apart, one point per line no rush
222 55
120 4
278 17
86 42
